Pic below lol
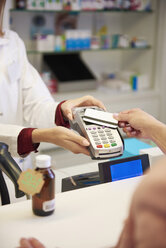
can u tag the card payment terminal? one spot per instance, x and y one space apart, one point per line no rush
100 129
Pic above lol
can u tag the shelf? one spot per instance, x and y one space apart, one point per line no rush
109 94
88 50
81 11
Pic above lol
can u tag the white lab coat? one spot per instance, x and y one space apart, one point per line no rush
24 99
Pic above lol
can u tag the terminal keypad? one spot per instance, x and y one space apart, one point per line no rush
103 137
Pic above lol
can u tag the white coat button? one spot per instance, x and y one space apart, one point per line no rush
1 113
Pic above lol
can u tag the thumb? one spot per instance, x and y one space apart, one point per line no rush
68 113
70 116
121 117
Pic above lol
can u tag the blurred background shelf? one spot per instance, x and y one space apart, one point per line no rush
83 11
90 50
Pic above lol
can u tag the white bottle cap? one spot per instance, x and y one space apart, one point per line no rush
43 161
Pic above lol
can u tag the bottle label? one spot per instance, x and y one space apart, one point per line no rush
30 182
49 205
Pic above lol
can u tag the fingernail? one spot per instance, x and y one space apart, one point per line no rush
121 124
115 115
86 143
128 128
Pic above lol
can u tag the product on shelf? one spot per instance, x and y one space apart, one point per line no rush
95 42
77 5
125 81
124 41
77 39
44 42
20 4
139 42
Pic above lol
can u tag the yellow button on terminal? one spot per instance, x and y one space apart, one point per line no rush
107 145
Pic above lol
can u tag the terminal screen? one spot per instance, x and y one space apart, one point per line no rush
126 170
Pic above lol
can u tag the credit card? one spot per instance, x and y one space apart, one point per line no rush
100 117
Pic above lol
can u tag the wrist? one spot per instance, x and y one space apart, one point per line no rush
155 130
44 135
37 136
63 112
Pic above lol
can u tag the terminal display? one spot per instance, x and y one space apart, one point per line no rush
123 168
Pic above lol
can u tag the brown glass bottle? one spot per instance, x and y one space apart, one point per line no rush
43 203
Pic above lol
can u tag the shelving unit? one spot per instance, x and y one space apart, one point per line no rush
81 11
143 60
78 13
89 50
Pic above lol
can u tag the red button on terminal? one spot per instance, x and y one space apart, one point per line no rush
99 146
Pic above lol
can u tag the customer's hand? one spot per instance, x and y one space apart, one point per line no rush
68 105
63 137
137 123
30 243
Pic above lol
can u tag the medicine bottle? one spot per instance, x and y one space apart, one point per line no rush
20 4
43 203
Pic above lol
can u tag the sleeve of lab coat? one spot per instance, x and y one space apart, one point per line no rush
8 135
39 107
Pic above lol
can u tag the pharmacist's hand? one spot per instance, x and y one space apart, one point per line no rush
137 123
63 137
68 105
30 243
